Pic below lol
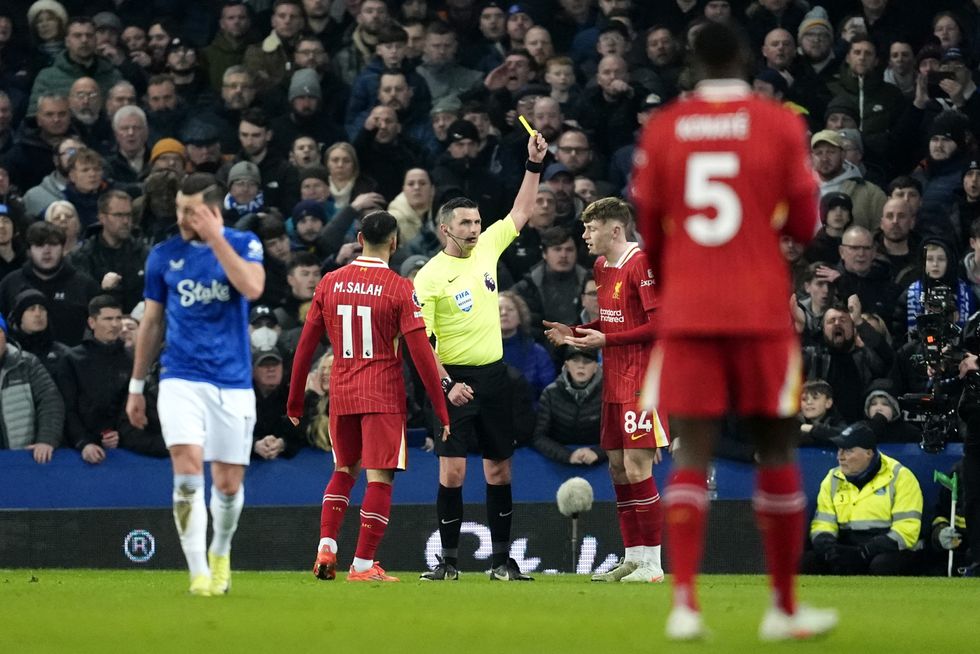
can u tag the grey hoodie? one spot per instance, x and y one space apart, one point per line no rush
51 189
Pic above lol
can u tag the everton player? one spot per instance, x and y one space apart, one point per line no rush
719 176
365 308
631 438
198 285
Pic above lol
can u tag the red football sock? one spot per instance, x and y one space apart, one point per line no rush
686 512
336 497
374 519
779 506
649 511
627 517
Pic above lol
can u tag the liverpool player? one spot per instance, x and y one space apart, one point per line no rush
625 286
364 307
718 177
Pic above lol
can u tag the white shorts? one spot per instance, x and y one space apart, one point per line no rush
220 420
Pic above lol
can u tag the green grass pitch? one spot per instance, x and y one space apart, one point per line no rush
135 611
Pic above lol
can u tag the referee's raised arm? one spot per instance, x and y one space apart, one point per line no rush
537 147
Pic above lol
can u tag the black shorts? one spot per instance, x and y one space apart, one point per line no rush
485 424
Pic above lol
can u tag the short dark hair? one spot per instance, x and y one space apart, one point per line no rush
608 209
378 226
302 260
45 233
109 196
555 236
975 228
256 117
79 20
439 27
206 183
818 387
160 78
270 226
719 50
904 181
863 39
392 34
447 210
100 302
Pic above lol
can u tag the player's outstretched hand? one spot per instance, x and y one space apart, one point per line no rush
556 332
207 222
136 410
537 147
592 338
445 433
460 394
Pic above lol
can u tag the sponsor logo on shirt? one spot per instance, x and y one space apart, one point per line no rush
611 315
177 265
464 300
193 292
616 289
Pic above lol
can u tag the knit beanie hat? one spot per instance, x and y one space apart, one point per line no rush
244 170
816 18
166 146
952 125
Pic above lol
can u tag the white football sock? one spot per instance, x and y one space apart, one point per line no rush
362 565
329 542
191 518
634 554
225 510
651 555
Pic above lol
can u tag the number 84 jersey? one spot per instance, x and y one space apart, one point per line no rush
718 177
365 307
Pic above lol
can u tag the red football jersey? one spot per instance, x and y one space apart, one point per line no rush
364 307
625 291
718 177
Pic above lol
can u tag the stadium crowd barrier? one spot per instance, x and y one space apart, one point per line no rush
117 514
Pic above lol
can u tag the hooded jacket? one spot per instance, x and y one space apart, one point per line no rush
31 409
40 344
911 303
94 381
95 258
867 199
68 291
569 416
51 189
57 78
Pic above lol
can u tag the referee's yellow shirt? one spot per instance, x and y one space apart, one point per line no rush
459 299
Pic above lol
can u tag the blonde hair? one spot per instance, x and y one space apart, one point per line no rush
349 149
605 209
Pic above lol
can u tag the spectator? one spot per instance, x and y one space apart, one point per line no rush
819 420
609 109
560 180
317 403
905 187
85 106
203 145
552 287
819 296
78 60
567 427
85 184
897 243
487 50
560 76
835 216
302 275
12 247
128 163
110 255
937 268
254 138
272 230
166 112
525 250
384 154
901 71
971 261
853 145
306 116
860 274
190 79
848 366
816 38
229 44
444 77
169 154
158 36
31 157
838 174
63 214
589 301
520 350
238 93
967 207
68 290
763 16
93 382
274 435
47 21
32 410
244 197
458 168
155 212
30 330
659 70
334 93
885 417
351 59
6 122
943 172
412 208
269 61
865 532
344 177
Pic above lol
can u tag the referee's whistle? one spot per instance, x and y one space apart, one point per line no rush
527 125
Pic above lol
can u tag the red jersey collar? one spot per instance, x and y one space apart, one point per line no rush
369 262
631 249
720 90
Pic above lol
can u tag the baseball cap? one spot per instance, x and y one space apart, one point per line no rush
826 136
860 434
263 354
518 8
463 129
554 170
178 43
952 54
262 312
651 101
591 354
107 20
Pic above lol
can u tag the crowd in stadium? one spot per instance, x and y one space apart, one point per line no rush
315 112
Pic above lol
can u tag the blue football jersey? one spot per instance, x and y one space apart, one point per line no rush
207 336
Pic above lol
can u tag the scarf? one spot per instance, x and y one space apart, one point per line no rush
244 209
869 473
341 194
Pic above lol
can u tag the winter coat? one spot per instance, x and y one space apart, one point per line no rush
268 62
69 292
95 258
531 360
94 380
868 200
364 94
222 53
31 409
569 416
38 198
409 220
940 180
31 157
57 78
448 80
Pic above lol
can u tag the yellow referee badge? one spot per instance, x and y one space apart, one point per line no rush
527 125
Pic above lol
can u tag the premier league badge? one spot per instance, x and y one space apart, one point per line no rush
488 281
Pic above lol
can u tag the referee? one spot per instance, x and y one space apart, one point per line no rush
457 289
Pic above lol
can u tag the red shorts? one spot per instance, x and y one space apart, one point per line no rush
624 427
711 376
376 440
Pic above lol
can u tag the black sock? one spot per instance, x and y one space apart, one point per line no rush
500 509
449 508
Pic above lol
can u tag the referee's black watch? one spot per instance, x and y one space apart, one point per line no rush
447 384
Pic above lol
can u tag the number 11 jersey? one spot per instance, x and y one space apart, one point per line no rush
718 177
364 308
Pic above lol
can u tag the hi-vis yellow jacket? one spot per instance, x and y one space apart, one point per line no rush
891 503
